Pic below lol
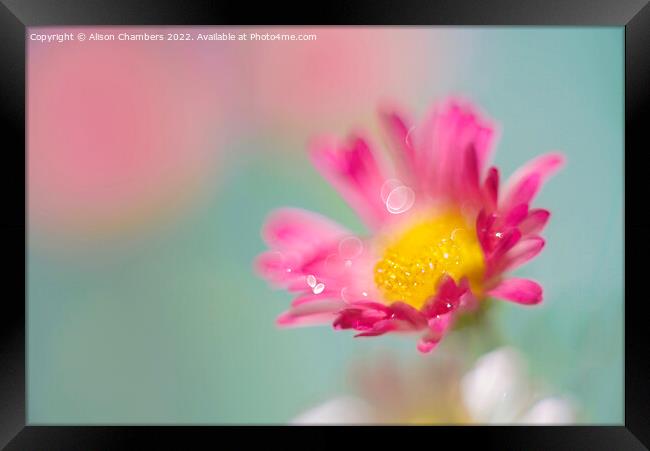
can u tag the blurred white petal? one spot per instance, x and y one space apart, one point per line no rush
550 411
342 410
495 390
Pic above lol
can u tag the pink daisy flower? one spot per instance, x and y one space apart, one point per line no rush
442 234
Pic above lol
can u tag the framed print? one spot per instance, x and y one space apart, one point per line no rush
368 216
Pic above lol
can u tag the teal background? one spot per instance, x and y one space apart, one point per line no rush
172 326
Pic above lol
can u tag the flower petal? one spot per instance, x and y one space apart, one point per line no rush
524 191
297 229
526 181
380 328
534 222
516 215
525 250
496 390
361 317
405 312
484 223
506 241
354 171
317 312
398 129
447 132
303 244
447 298
469 183
491 188
557 411
521 291
428 343
273 266
373 318
338 411
438 326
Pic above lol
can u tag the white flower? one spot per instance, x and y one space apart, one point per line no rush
495 391
341 410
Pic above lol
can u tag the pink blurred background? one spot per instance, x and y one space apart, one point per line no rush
123 135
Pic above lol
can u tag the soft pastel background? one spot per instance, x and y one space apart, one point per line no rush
151 167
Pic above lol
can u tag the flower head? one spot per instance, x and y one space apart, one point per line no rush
442 234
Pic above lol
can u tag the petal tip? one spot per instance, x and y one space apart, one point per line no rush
283 320
520 291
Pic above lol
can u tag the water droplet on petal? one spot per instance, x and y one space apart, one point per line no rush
311 281
400 200
318 289
388 186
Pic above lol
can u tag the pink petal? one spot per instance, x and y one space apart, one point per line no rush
391 325
496 258
448 152
525 250
524 191
373 318
297 229
516 215
272 265
507 240
405 312
441 324
470 175
287 319
398 128
446 133
521 291
380 328
425 136
447 298
310 297
484 223
428 343
438 326
360 318
354 171
450 145
535 222
527 180
311 313
302 244
491 188
484 142
282 268
370 305
289 268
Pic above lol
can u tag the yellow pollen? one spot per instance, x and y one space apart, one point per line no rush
414 262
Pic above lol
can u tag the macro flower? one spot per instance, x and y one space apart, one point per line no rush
442 233
495 390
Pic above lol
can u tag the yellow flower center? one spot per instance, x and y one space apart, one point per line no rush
414 262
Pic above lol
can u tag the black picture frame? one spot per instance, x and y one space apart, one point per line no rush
16 15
